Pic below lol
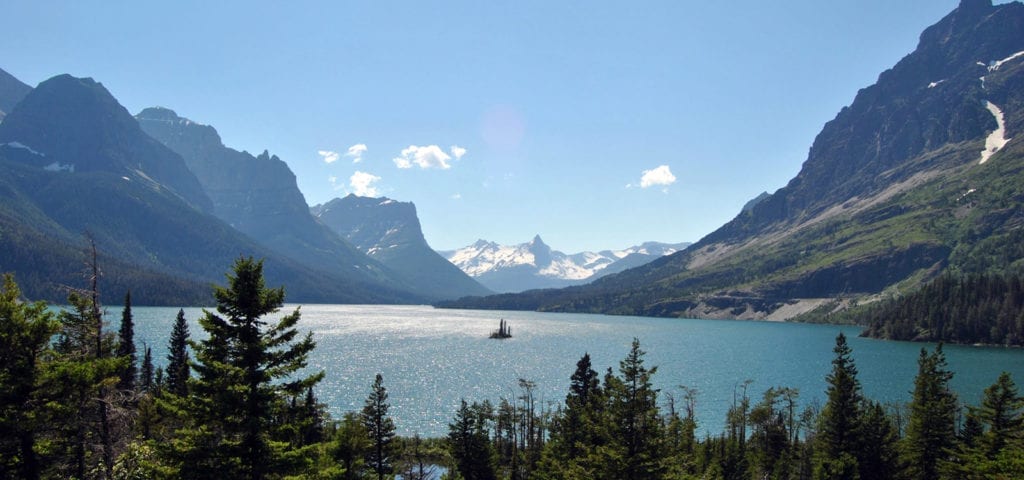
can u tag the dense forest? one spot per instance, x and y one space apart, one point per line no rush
78 400
970 309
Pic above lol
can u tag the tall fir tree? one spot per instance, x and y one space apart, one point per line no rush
380 427
838 439
1000 413
468 440
931 429
577 426
126 345
25 333
636 426
146 374
244 377
178 369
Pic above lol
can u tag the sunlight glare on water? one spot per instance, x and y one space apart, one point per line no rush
432 358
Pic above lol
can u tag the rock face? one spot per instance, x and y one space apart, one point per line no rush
258 196
12 91
72 160
389 232
535 265
75 123
895 190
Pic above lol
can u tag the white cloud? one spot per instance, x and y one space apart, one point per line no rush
458 152
355 152
329 156
362 184
430 156
658 176
457 196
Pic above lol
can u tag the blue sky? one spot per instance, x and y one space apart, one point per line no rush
594 124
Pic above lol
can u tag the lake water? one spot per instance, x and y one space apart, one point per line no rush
431 358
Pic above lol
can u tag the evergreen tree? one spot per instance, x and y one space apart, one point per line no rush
146 374
468 440
85 371
838 438
349 446
126 345
380 427
25 333
177 357
244 370
931 429
1000 412
635 420
878 455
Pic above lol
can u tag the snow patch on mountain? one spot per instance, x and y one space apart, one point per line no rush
536 265
22 146
997 139
994 65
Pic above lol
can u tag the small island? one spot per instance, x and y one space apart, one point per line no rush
503 331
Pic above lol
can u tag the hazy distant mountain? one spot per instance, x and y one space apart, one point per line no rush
533 265
12 91
258 195
922 173
389 231
78 126
73 160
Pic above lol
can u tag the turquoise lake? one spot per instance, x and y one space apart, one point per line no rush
432 358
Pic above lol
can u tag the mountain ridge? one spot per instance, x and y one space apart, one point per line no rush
389 231
73 161
259 196
893 192
535 265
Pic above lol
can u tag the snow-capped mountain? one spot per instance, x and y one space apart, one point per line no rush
526 266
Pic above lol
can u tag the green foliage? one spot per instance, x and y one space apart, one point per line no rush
469 441
975 308
126 345
178 369
931 429
381 429
25 332
839 431
244 373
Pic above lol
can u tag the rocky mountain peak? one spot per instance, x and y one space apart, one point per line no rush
76 122
541 252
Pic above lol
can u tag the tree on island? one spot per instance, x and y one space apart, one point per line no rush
503 331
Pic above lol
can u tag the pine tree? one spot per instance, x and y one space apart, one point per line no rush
1000 411
838 438
878 456
86 370
244 369
25 333
126 345
469 442
931 429
380 427
146 374
635 420
177 357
